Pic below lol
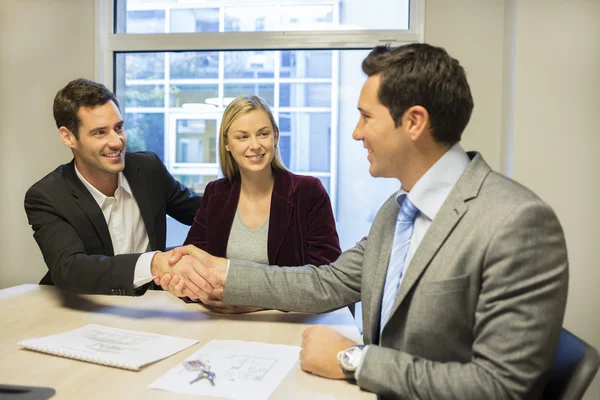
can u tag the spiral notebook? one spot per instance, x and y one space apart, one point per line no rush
109 346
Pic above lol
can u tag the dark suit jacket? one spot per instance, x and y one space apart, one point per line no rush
301 225
72 234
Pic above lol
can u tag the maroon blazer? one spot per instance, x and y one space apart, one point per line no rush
301 225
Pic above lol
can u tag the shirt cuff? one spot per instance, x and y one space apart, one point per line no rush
362 357
142 273
227 270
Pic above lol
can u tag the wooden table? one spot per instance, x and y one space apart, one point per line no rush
29 311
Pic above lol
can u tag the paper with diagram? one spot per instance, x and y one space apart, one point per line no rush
105 345
243 370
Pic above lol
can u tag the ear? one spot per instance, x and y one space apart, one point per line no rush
276 137
416 121
67 137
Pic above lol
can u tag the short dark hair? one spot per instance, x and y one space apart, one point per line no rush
421 74
79 93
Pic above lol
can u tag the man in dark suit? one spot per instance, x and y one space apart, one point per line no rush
464 274
99 219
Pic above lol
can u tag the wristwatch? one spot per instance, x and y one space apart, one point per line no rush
349 360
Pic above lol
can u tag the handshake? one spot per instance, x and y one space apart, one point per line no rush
188 271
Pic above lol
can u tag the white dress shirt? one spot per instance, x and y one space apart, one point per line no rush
428 195
125 225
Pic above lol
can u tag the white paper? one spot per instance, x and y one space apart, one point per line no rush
243 370
110 346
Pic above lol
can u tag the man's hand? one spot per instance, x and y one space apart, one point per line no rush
214 303
320 346
187 270
205 284
176 286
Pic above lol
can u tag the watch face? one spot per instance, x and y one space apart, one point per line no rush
351 358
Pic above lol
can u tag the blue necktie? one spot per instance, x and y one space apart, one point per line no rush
402 235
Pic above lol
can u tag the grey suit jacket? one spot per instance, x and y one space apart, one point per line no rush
72 234
480 307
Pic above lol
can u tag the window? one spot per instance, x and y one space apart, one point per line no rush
175 65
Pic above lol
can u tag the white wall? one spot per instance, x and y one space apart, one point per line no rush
472 31
43 45
538 58
557 138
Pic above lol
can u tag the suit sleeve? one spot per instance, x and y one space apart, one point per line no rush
309 288
71 268
181 202
517 321
323 240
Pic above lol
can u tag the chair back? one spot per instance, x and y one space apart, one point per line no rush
575 365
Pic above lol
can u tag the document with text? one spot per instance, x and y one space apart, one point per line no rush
242 370
109 346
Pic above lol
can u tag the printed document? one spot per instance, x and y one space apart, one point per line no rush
242 370
110 346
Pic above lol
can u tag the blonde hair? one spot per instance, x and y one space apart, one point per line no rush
238 107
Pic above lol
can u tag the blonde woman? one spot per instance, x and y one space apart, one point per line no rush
260 211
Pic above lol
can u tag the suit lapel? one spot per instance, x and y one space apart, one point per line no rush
85 201
281 211
388 215
451 212
448 216
139 187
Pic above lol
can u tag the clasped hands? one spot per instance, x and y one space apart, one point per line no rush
188 271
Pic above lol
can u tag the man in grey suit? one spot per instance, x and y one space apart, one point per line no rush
471 303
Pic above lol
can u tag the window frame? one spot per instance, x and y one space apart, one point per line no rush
108 43
186 168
